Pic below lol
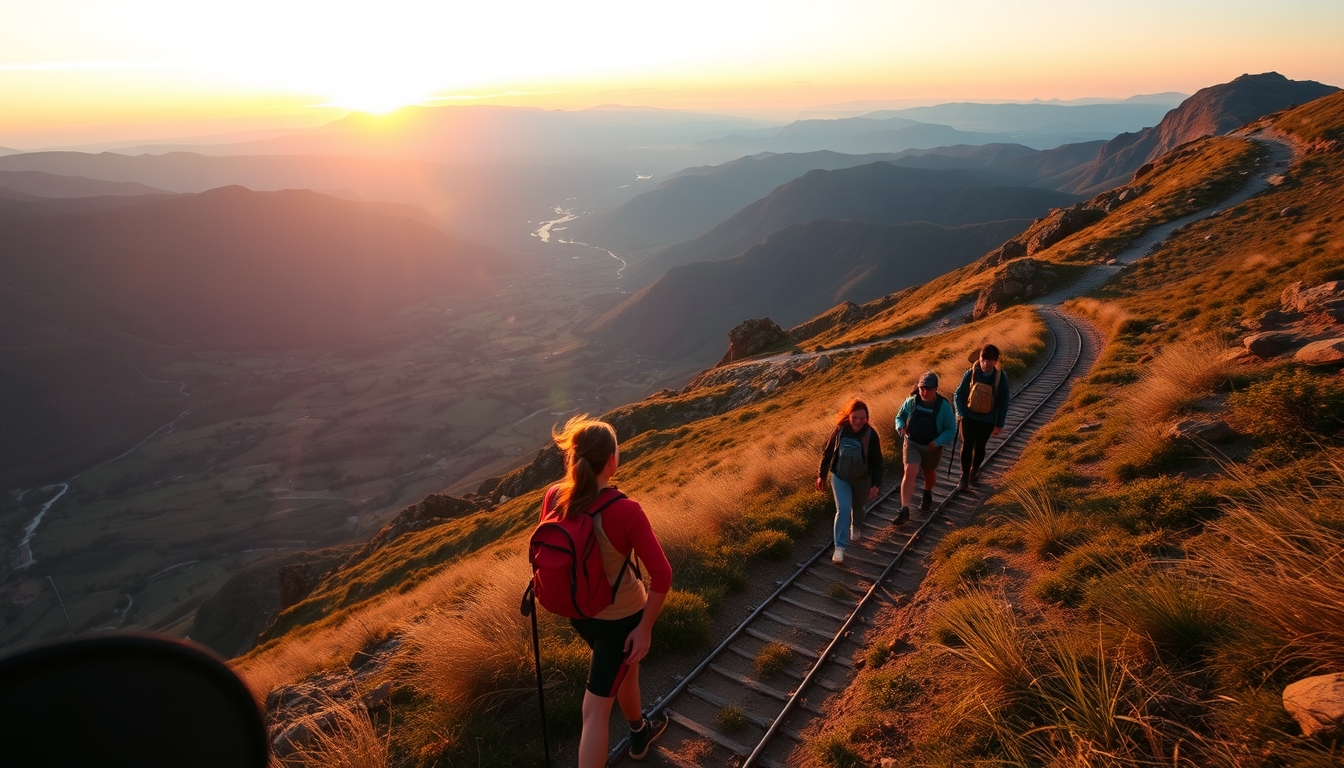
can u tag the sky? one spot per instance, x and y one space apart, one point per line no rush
75 71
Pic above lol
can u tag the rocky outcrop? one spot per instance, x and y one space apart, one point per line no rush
1015 282
1325 301
1060 224
299 714
1317 703
751 337
432 510
1309 322
845 314
1203 431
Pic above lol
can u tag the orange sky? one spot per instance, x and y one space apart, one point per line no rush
101 70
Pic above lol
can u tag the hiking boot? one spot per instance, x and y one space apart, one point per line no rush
902 516
854 533
964 484
926 503
838 556
975 476
640 740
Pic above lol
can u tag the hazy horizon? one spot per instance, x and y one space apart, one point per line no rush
78 72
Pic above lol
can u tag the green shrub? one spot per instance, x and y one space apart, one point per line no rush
1082 566
1162 503
877 654
1290 407
683 625
833 751
966 566
772 659
770 546
983 630
731 719
889 690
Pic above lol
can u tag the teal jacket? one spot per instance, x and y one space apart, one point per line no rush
946 421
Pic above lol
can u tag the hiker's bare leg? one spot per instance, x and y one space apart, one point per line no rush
593 744
930 478
908 484
628 696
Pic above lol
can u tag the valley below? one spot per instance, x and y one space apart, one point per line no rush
267 453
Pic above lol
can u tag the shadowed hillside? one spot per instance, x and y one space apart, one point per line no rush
794 274
694 200
878 192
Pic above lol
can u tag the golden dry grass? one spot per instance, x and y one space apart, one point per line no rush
345 738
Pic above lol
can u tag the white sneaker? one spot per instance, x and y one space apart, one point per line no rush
855 534
838 556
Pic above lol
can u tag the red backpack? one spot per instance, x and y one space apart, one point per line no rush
567 573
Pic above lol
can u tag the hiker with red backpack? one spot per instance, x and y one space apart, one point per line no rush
852 460
982 409
927 423
586 555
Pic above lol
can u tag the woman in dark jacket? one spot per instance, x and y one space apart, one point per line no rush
853 462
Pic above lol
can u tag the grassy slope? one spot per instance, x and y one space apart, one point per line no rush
723 492
1129 600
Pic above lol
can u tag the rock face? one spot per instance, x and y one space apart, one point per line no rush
1200 431
1317 703
434 508
1014 282
1062 223
751 337
1325 300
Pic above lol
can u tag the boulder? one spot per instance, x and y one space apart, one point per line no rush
1062 223
750 338
1201 431
788 377
820 364
1317 703
1272 320
1014 282
1325 352
1270 343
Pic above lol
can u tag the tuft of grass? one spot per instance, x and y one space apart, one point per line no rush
983 630
889 690
1181 616
833 750
343 737
1279 554
838 591
683 624
731 719
1048 533
770 546
877 654
772 659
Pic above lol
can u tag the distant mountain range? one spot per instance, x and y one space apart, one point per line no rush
796 273
51 185
1045 119
877 192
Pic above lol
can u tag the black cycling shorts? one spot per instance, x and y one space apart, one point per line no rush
607 639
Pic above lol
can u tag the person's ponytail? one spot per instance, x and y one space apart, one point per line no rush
587 445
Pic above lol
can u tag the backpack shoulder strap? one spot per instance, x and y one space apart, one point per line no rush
997 372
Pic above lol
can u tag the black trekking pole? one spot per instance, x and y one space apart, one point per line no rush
953 453
529 608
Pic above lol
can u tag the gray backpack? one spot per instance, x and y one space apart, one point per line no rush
851 455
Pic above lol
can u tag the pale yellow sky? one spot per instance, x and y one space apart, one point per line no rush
103 70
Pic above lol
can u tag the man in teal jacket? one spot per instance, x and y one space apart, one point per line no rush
927 422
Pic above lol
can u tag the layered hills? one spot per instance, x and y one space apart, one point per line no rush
877 192
795 273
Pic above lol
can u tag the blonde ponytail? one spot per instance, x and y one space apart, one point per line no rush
587 445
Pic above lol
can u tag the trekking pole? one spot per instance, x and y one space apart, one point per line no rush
529 608
953 453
